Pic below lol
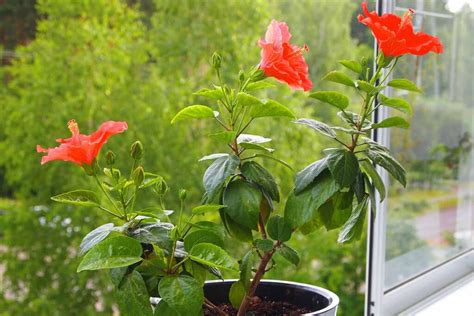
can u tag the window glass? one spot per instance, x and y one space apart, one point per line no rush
431 221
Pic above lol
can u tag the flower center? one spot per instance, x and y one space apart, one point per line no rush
73 127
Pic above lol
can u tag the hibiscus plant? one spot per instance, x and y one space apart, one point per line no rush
148 255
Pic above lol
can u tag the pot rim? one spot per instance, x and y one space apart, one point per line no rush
333 298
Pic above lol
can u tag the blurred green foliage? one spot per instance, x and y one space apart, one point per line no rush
139 61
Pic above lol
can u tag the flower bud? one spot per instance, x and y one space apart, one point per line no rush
241 76
161 187
257 75
116 174
182 194
136 150
216 60
110 158
138 175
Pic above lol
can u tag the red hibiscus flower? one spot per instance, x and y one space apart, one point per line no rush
282 60
395 35
81 149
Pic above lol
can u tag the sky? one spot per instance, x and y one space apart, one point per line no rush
456 5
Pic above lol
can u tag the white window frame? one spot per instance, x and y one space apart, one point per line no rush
381 302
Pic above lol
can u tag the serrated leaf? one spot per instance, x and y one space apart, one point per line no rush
252 139
269 109
226 136
404 84
318 126
396 103
301 208
217 173
202 236
257 174
242 202
133 296
368 87
352 229
154 233
259 85
214 156
375 177
210 93
245 99
306 176
212 255
250 146
95 236
119 251
389 163
201 209
333 98
278 229
339 77
78 197
182 293
394 121
289 254
344 167
353 65
193 112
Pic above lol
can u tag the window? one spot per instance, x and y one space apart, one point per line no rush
422 230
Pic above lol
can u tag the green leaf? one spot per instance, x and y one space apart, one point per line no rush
404 84
163 309
214 156
333 98
245 99
259 85
352 118
206 208
264 245
269 109
255 173
344 167
284 163
207 225
375 177
154 233
368 87
256 147
197 270
133 297
193 112
234 229
318 127
243 203
388 163
353 65
202 236
210 93
339 77
301 208
246 265
237 293
396 103
78 197
278 229
308 174
182 293
352 229
217 173
336 211
359 186
394 121
252 139
95 236
289 254
119 251
226 136
212 255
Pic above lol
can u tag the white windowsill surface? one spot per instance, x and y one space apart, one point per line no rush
456 299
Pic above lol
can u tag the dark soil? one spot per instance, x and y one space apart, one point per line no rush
262 308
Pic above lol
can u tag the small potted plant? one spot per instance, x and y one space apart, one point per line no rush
149 256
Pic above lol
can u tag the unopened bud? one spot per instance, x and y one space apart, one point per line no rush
216 60
182 194
241 76
110 158
136 150
138 175
161 187
258 75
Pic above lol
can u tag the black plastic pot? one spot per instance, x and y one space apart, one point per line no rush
320 301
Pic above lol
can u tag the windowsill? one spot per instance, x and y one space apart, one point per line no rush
455 299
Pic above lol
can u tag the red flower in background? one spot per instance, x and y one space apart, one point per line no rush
282 60
395 35
81 148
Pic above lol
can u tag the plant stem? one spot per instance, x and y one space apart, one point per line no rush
108 196
213 307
